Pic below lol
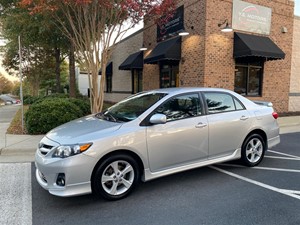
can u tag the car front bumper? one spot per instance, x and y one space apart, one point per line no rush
76 169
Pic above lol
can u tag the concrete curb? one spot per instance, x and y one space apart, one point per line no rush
20 144
289 121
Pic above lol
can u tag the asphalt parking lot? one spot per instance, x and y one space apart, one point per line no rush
220 194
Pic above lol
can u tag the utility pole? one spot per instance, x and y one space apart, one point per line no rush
21 88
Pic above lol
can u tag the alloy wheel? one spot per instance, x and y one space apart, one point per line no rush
254 150
117 177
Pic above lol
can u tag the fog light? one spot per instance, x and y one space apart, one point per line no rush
60 181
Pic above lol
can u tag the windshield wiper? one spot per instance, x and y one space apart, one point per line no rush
106 116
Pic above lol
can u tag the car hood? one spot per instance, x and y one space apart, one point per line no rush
82 130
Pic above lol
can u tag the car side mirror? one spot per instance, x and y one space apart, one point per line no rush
158 119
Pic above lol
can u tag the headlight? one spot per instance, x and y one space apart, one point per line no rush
65 151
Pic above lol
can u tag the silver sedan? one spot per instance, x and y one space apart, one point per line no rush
150 135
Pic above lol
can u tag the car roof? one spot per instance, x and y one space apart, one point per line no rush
176 90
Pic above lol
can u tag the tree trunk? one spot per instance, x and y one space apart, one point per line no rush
72 89
57 70
35 86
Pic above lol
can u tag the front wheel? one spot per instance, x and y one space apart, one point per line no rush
253 150
116 177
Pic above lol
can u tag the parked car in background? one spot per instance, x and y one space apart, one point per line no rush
150 135
8 102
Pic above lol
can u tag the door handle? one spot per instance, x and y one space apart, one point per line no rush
244 118
201 125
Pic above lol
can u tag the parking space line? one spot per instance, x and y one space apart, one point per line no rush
291 191
278 190
278 157
280 153
276 169
262 168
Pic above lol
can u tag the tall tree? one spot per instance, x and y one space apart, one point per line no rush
6 86
38 34
94 25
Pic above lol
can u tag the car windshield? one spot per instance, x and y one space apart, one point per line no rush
131 107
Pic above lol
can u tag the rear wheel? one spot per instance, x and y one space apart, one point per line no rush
116 177
253 150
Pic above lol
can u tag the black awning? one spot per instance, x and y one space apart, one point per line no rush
134 61
109 69
246 45
167 50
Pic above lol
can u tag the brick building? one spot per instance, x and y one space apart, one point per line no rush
123 78
294 96
255 59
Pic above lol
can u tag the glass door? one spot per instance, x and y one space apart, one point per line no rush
165 75
169 76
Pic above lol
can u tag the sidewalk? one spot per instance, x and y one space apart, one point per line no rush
21 148
15 148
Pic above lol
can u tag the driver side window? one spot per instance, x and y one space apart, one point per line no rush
181 107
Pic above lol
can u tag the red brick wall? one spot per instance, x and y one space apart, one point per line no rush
294 99
191 67
150 72
207 53
219 64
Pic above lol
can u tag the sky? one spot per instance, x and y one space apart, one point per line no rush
297 8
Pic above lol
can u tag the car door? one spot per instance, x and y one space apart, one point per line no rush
229 123
183 138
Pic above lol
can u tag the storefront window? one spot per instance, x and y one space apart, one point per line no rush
137 85
108 83
169 76
248 78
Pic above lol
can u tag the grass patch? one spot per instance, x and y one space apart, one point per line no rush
16 124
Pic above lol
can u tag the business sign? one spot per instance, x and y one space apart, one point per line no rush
250 17
170 26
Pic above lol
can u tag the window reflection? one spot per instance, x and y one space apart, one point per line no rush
181 107
248 78
220 102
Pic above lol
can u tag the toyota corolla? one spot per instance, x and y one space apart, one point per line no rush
153 134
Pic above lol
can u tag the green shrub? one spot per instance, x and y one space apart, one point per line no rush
52 96
28 100
43 116
83 104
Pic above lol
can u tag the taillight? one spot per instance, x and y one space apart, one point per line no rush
275 115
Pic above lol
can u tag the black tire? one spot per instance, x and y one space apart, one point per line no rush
253 150
119 183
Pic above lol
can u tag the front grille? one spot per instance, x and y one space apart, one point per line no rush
44 149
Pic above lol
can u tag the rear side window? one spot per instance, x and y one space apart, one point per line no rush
221 102
238 105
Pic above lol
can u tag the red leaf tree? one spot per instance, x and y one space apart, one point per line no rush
94 25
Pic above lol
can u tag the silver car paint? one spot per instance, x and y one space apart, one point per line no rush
90 128
227 126
108 137
177 143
